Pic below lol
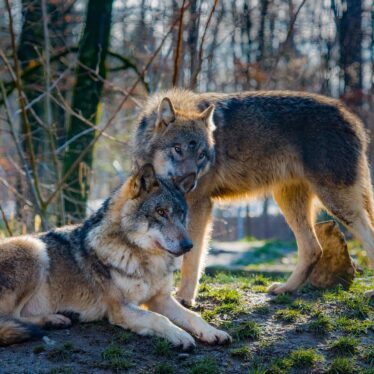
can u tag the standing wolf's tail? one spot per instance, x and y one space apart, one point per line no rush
15 331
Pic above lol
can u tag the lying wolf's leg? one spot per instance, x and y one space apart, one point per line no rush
50 321
354 207
186 319
144 322
295 201
199 227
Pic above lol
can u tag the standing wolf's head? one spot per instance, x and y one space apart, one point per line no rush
179 143
153 213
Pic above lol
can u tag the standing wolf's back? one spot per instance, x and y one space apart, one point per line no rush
256 126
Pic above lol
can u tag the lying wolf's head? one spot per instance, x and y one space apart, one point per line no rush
178 143
153 213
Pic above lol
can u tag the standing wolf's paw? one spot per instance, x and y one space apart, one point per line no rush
278 288
180 339
212 335
185 301
370 294
56 321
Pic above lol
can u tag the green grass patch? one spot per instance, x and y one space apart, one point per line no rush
232 309
320 325
302 306
163 368
117 358
302 358
123 337
61 353
352 326
262 309
206 365
343 365
282 299
368 355
39 349
246 330
243 353
344 346
288 315
162 347
225 295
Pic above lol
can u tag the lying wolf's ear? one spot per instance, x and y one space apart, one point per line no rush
207 116
166 113
145 180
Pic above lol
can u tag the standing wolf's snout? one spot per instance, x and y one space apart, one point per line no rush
186 183
186 245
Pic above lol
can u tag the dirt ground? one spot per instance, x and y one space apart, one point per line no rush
314 331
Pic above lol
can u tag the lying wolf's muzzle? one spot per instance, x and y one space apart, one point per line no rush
186 245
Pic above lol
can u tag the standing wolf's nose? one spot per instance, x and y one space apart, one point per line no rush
186 245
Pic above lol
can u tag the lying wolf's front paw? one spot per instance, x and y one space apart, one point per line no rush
278 288
370 294
214 336
56 321
181 339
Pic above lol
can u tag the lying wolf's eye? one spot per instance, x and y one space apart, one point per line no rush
202 155
178 149
161 212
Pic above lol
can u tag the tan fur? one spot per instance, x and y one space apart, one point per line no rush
246 166
41 280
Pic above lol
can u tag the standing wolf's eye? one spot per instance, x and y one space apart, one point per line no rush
178 149
161 212
202 155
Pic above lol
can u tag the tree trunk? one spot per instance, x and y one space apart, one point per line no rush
350 40
86 96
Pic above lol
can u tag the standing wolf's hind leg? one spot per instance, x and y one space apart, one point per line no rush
296 202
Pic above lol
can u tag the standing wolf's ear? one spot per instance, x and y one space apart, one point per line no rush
207 116
166 113
145 180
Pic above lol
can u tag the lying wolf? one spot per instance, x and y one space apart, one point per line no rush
301 147
121 257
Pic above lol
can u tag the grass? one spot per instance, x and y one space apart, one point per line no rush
61 353
368 355
321 324
206 365
282 299
163 368
305 358
352 326
288 315
117 358
243 353
246 330
162 347
343 365
344 346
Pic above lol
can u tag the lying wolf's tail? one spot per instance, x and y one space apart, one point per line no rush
15 331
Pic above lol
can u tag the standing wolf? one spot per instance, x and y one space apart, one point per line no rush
301 147
121 257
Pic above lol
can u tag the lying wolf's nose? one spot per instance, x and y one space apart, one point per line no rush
186 245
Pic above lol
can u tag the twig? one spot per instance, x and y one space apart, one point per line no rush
201 48
113 116
284 44
6 221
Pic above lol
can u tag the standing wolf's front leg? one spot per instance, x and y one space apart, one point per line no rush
166 305
144 322
199 225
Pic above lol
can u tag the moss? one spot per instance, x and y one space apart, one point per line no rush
346 345
206 365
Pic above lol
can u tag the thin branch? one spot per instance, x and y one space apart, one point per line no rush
6 221
113 116
282 48
201 48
